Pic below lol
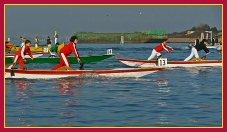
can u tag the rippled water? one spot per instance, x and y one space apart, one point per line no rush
171 97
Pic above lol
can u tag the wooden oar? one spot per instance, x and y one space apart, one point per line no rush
12 72
204 57
81 66
69 68
13 65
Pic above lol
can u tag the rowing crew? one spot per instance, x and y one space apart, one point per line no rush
194 49
69 48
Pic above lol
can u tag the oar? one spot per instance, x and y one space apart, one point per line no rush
11 71
81 66
26 60
69 68
13 65
204 57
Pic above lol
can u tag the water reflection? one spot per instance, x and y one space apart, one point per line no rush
163 119
24 90
17 105
161 82
28 101
164 92
68 88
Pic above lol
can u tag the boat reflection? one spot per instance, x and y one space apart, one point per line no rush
21 84
24 89
69 86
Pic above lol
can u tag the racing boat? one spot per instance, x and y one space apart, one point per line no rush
49 74
170 64
72 59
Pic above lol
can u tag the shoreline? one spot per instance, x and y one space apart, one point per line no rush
181 40
170 40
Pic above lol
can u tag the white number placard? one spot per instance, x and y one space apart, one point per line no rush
162 62
45 50
109 51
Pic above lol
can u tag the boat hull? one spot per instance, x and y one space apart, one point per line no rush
171 64
49 74
32 48
72 59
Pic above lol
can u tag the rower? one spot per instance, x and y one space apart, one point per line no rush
66 51
195 48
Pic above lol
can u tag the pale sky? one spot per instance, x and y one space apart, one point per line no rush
29 21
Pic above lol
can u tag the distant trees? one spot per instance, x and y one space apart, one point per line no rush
204 27
214 29
197 31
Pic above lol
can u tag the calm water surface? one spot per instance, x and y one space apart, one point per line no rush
171 97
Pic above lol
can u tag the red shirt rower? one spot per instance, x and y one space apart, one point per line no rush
19 56
162 46
66 51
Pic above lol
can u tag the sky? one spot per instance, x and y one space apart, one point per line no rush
43 20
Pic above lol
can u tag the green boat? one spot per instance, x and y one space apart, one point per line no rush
72 59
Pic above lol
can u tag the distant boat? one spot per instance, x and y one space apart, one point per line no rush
216 46
40 48
35 55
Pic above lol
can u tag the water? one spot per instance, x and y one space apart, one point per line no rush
171 97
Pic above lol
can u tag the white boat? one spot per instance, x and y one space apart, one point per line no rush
35 55
48 74
170 64
217 47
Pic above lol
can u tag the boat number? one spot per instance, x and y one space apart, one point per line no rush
109 52
162 62
45 50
